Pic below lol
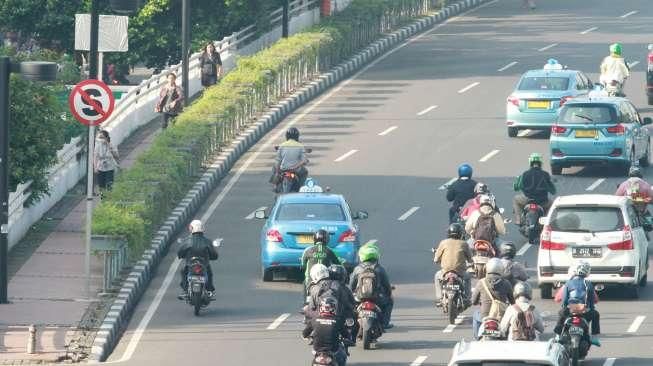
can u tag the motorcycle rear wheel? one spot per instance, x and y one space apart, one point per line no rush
575 357
453 310
197 303
367 335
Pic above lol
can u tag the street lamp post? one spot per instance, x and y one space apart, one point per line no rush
185 49
285 19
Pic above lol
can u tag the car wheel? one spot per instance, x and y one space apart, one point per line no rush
512 131
267 274
645 161
546 292
556 169
644 280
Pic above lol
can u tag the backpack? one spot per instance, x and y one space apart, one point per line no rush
327 290
498 307
367 284
485 228
522 326
577 293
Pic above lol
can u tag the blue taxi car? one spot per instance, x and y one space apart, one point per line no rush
293 220
539 94
599 130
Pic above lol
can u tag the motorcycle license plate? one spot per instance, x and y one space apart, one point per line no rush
491 333
452 287
367 314
199 279
586 133
576 331
304 239
586 252
480 259
538 104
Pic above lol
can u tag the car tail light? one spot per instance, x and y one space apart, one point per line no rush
650 58
626 243
627 274
616 152
510 123
546 243
347 236
274 235
617 130
558 130
575 321
565 99
197 269
514 100
368 305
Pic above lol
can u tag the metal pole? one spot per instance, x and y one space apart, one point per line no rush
284 21
185 40
5 71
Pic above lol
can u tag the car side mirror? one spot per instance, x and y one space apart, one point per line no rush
361 215
260 214
543 220
217 243
647 121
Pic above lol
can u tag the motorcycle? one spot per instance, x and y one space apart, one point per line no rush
530 221
490 330
369 322
483 251
614 88
198 296
575 334
331 358
649 75
289 179
452 295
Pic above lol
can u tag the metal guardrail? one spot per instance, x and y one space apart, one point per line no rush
114 252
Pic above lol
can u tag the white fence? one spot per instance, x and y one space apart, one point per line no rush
136 108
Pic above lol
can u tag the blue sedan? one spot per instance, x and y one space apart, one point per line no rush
538 96
292 222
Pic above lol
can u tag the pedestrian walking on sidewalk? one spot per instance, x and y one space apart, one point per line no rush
106 160
210 65
170 101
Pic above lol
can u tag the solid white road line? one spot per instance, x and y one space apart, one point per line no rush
595 184
488 156
419 360
346 155
524 249
385 132
508 66
547 47
444 186
609 361
523 133
632 64
408 213
636 323
427 110
251 216
589 30
277 322
629 14
468 87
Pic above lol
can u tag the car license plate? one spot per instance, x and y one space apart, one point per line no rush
367 314
199 279
576 330
586 133
586 252
538 104
304 239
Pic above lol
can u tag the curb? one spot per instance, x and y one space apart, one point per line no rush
136 283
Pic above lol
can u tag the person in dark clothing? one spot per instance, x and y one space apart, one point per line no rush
326 330
338 273
171 100
197 246
493 286
533 184
514 271
460 191
210 65
318 253
369 261
321 283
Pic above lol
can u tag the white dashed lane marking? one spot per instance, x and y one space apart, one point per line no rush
346 155
636 323
418 361
427 110
547 47
508 66
459 320
408 213
632 64
589 30
277 322
251 216
472 85
609 361
387 131
629 14
444 186
595 184
488 156
524 249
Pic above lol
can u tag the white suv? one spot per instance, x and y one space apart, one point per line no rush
604 230
513 353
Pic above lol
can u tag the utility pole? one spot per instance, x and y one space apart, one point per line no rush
284 18
185 50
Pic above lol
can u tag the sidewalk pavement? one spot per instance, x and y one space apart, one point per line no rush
48 289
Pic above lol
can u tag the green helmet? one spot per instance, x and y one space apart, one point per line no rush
535 158
371 244
368 253
615 49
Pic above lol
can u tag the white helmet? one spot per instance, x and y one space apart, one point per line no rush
582 268
319 272
196 227
495 266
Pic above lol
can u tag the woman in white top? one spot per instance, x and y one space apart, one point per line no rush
105 160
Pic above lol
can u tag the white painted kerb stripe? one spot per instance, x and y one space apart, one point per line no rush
427 110
595 184
419 360
508 66
609 361
385 132
589 30
251 216
547 47
468 87
408 213
629 14
636 323
488 156
524 249
277 322
346 155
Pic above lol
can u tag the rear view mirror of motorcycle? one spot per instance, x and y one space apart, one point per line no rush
507 221
260 214
543 220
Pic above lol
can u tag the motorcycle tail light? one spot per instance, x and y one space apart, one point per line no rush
575 320
368 305
197 269
650 58
323 360
533 207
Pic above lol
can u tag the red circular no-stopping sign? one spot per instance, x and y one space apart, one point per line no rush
91 102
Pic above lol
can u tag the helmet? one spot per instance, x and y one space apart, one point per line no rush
327 307
522 289
319 272
455 231
292 133
616 49
321 236
535 158
634 171
338 272
465 170
196 226
507 250
495 266
582 268
481 188
368 253
486 200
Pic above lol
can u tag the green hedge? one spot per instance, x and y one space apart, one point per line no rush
144 194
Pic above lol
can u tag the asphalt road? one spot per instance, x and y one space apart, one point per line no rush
456 68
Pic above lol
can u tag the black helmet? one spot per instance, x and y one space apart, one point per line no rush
338 273
321 236
455 231
634 171
292 133
507 250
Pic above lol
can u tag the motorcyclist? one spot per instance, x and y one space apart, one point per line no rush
338 273
291 156
453 254
498 287
473 204
635 186
579 290
460 191
369 261
523 294
322 283
533 184
514 271
614 67
318 253
197 246
486 223
326 329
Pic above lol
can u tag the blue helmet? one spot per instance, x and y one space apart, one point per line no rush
465 170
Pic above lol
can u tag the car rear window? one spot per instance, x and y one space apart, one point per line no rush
586 114
310 211
543 83
588 219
